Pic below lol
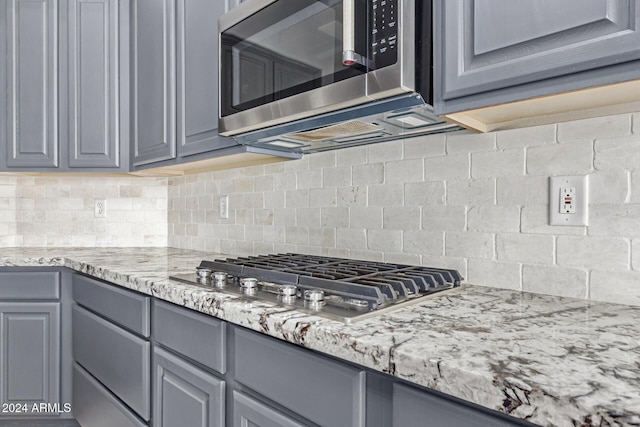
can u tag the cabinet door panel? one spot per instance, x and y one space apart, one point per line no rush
30 338
250 412
93 83
197 76
494 44
32 98
185 395
153 56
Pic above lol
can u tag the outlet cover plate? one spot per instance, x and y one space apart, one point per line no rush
580 200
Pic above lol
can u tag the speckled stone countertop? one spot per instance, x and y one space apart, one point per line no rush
551 360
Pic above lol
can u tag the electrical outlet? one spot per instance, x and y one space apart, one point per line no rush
100 208
569 200
224 207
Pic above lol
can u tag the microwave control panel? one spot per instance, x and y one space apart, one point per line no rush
384 32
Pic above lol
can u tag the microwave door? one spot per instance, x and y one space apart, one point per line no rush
286 61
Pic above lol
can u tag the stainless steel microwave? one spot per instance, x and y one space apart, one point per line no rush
305 74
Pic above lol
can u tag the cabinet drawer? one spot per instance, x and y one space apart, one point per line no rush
195 335
115 357
412 407
94 406
30 285
322 390
123 307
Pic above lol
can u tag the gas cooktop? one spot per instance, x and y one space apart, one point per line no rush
341 289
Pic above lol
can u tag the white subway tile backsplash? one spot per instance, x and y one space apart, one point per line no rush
384 240
527 137
467 142
368 174
609 187
525 248
444 218
522 190
504 275
622 287
474 202
617 153
401 218
351 238
380 153
497 163
404 171
365 217
385 195
424 193
463 192
470 244
337 177
593 252
560 159
446 167
553 280
423 242
599 127
424 146
535 219
614 220
494 218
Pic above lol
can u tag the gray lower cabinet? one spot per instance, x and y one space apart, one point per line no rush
494 51
185 395
30 342
95 406
251 412
33 346
111 353
319 389
415 407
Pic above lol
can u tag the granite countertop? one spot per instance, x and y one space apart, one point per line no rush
551 360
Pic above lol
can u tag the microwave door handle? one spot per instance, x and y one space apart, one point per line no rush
349 55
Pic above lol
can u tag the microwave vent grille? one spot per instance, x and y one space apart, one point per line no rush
340 130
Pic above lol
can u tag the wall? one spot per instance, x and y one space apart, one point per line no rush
59 211
474 202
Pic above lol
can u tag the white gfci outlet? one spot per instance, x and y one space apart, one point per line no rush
224 207
569 200
100 208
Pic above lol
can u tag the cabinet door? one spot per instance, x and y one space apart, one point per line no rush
153 85
30 359
250 412
32 78
197 76
494 44
185 395
94 101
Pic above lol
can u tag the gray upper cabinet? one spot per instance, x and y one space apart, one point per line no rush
498 47
66 105
197 76
153 82
175 78
31 102
94 94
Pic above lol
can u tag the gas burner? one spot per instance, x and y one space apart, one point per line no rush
337 288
